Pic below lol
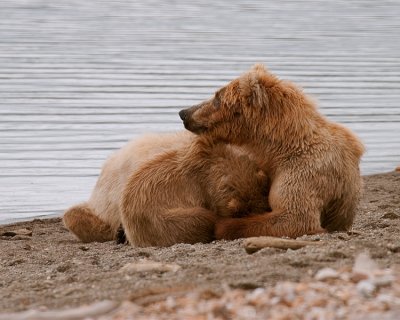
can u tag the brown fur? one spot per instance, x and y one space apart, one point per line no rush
176 197
99 218
313 163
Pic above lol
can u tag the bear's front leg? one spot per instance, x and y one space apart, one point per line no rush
275 224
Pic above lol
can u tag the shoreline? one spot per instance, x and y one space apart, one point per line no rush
59 215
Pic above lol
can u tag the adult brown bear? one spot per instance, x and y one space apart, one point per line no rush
313 163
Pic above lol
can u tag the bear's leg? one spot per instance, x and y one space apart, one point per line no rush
275 224
82 222
192 225
180 225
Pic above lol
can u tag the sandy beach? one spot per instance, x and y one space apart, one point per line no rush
78 79
44 267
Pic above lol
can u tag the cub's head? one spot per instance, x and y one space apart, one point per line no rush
236 111
242 189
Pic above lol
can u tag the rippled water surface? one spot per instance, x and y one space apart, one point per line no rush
80 78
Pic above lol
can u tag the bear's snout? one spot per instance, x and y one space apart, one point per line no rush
190 123
183 114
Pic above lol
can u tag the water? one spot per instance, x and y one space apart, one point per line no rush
80 78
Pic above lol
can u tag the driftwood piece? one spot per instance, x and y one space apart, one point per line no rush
18 232
84 312
257 243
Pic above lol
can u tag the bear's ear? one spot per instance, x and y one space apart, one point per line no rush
254 84
259 68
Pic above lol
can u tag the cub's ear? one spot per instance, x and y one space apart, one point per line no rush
234 205
254 84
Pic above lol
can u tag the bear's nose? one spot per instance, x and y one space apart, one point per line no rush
183 114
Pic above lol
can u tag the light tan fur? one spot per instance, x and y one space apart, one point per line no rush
99 218
176 197
313 163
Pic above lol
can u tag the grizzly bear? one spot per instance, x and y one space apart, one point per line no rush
99 218
312 162
177 196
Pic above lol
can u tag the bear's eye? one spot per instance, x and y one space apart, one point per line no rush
217 101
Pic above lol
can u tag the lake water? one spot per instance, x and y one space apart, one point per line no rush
80 78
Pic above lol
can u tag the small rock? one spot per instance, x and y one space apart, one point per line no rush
364 265
366 288
343 236
391 216
16 262
357 277
144 254
21 238
326 274
393 247
354 232
64 267
383 281
84 248
383 225
147 266
338 254
319 302
245 285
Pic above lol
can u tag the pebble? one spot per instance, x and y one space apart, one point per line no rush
364 265
343 236
354 232
64 267
366 288
394 247
21 238
383 281
326 274
391 216
357 277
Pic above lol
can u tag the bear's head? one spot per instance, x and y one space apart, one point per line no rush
255 104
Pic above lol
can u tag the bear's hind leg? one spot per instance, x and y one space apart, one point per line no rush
180 225
191 225
82 222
